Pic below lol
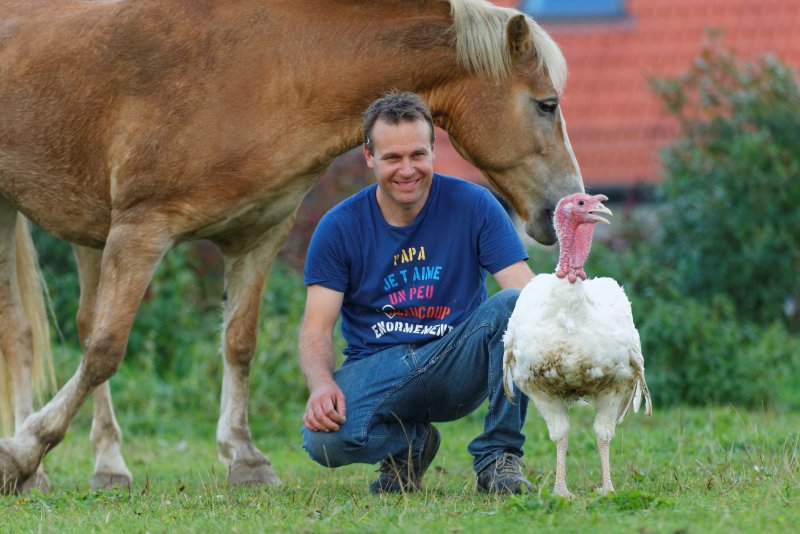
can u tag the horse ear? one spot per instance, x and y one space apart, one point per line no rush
518 37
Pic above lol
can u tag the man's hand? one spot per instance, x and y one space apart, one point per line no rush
325 409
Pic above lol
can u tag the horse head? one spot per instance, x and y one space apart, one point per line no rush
505 117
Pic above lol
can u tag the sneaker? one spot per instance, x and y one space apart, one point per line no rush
504 475
398 475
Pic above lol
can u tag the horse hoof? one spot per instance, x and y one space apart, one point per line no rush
38 481
105 480
252 472
12 470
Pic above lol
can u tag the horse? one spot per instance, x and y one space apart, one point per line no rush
127 127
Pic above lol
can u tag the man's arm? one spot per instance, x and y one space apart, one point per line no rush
516 275
325 409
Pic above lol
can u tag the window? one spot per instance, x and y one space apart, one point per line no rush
573 9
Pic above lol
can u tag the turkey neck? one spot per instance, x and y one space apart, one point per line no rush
575 244
569 300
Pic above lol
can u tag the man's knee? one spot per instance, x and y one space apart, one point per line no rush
504 301
330 449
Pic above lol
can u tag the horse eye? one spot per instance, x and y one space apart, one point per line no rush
547 106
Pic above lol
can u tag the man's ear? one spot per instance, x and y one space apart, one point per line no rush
518 37
368 156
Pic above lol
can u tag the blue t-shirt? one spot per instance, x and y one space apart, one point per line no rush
414 283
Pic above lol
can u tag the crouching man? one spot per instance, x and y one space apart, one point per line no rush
404 263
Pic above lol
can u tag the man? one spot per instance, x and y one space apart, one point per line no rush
404 262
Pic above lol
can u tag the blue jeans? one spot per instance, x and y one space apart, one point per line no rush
393 394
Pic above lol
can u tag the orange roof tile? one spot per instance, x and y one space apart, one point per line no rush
617 132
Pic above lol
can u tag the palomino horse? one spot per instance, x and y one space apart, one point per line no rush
129 126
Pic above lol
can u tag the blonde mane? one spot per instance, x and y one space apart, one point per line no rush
479 29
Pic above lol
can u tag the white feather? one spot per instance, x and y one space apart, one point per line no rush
570 340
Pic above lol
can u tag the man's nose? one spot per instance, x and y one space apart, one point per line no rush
406 169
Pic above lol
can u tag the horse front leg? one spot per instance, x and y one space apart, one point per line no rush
106 436
244 281
131 255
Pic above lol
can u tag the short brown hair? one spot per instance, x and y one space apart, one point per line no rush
393 108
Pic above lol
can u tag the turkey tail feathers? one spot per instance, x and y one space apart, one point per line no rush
648 404
640 388
641 383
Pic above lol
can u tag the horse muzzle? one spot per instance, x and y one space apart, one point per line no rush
540 225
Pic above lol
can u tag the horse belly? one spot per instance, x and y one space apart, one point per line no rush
59 202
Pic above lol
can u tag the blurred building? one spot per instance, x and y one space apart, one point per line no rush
616 123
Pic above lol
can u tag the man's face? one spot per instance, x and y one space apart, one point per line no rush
402 161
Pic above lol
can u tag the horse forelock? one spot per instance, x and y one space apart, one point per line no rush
479 30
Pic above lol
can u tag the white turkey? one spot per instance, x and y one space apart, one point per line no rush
571 338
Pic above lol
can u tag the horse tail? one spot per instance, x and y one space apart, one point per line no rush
6 407
33 295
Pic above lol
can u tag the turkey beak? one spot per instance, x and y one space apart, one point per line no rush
592 216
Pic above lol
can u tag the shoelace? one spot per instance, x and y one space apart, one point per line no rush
508 464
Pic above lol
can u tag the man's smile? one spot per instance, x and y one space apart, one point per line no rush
406 185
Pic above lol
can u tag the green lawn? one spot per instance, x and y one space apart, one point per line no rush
689 470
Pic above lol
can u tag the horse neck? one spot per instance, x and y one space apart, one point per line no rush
387 48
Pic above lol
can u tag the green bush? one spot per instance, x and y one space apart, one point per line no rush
732 186
700 353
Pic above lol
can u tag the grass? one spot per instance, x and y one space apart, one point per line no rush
683 470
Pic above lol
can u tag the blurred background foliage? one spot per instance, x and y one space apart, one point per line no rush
731 222
711 269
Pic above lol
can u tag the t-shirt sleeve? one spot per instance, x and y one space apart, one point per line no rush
499 244
326 261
